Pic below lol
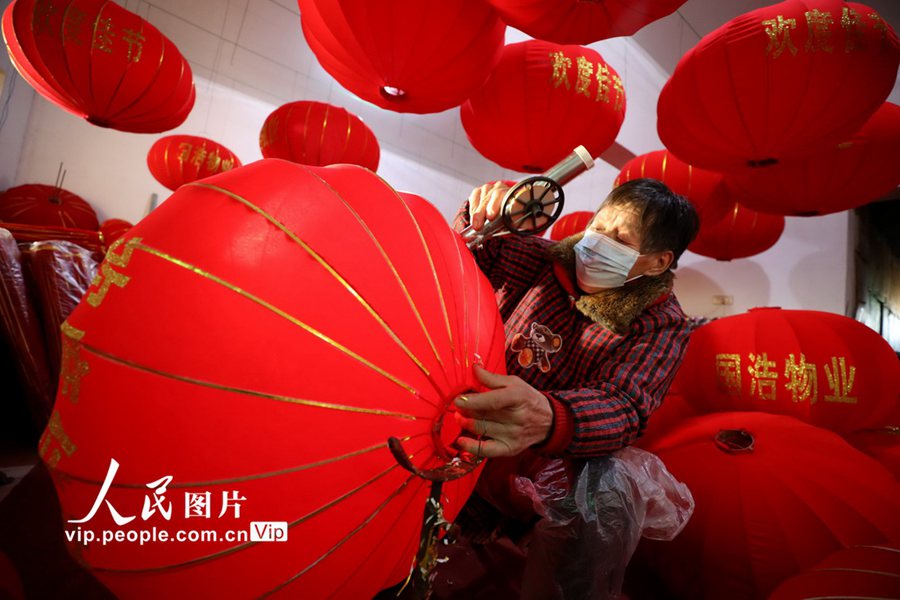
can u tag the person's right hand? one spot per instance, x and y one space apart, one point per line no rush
485 203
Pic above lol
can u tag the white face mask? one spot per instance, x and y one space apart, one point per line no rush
603 263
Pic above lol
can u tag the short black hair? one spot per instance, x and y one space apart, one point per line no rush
668 221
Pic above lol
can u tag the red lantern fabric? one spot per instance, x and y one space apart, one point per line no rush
778 83
541 101
570 224
847 175
773 496
405 55
113 229
264 356
175 160
856 572
580 22
100 62
318 134
39 204
740 233
827 369
701 187
882 444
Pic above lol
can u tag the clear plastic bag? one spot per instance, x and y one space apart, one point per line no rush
594 516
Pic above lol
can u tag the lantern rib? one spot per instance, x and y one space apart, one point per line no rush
150 84
325 265
244 546
437 281
343 540
390 264
242 479
224 388
404 557
269 306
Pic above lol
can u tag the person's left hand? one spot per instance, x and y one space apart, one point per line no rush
505 420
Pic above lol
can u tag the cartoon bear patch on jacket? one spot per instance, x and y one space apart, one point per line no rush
535 347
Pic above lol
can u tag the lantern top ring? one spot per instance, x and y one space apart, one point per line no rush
456 467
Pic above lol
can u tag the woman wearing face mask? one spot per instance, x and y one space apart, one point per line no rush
594 337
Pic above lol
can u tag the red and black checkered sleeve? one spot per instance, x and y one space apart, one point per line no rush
613 411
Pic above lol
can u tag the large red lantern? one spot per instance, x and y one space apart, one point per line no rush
46 205
174 160
740 233
778 83
850 174
580 22
265 361
856 572
570 224
821 367
773 496
701 187
100 62
882 444
318 134
541 101
405 55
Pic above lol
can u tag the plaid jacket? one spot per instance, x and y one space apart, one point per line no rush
602 385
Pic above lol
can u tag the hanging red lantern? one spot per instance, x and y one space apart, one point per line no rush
318 134
701 187
564 96
113 229
100 62
580 22
771 85
39 204
405 55
827 369
740 233
847 175
261 358
174 160
570 224
856 572
773 496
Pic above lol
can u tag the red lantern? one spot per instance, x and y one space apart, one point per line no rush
39 204
405 55
113 229
318 134
703 188
571 224
856 572
174 160
848 175
100 62
580 22
773 496
778 83
264 358
38 233
740 233
541 101
823 368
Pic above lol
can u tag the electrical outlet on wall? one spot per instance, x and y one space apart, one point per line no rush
722 300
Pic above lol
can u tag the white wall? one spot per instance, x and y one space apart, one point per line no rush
249 57
16 97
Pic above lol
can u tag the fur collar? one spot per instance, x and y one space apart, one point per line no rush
617 308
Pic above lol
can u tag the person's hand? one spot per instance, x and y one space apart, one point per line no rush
485 203
505 420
